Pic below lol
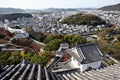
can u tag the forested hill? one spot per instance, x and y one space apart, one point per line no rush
11 10
14 16
83 19
111 8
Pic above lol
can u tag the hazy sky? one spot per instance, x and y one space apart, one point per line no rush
40 4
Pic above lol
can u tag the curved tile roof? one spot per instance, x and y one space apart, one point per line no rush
24 71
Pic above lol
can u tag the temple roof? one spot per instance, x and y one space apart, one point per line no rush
90 52
24 71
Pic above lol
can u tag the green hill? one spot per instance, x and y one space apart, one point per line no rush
83 19
14 16
111 8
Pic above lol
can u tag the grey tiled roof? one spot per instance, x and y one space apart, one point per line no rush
90 53
107 73
87 53
24 71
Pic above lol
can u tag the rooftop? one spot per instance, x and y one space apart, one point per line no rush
89 52
107 73
24 71
30 71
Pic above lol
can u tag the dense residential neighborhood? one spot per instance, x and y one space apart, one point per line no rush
51 22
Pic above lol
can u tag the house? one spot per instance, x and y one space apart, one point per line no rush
19 33
84 57
88 56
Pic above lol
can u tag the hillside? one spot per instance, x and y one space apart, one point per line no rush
14 16
10 10
83 19
111 7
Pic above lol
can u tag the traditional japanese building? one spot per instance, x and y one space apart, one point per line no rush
82 56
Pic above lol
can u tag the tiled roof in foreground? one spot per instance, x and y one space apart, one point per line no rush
28 71
24 71
107 73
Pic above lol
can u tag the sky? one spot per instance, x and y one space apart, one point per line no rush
42 4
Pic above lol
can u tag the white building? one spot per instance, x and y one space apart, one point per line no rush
84 57
19 33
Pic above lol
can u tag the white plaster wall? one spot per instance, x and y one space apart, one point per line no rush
94 65
16 30
21 35
75 51
19 32
75 62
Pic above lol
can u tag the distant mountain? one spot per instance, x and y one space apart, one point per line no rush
32 10
14 16
11 10
111 8
60 9
85 9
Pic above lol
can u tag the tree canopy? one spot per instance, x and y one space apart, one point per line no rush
109 42
14 16
83 19
53 45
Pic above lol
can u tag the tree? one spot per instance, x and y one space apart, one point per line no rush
83 19
74 39
117 45
35 46
32 57
45 57
118 37
106 34
4 56
14 16
8 58
15 57
49 38
53 45
36 35
118 31
22 54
